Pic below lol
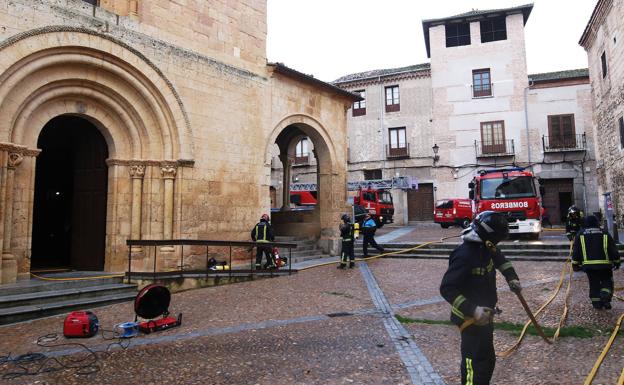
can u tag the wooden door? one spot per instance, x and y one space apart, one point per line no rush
420 203
559 195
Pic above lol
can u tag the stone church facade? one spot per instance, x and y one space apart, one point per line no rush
123 120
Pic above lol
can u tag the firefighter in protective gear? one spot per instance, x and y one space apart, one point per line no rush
347 254
574 221
469 285
369 227
594 252
263 233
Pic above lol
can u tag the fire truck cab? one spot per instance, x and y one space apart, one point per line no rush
513 192
378 203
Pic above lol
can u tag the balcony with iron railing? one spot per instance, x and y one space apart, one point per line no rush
398 152
564 143
482 90
494 149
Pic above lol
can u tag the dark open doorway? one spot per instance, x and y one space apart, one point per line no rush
69 218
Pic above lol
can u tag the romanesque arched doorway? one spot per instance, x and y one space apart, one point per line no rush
69 211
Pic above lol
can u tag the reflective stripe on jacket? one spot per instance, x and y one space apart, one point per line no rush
594 249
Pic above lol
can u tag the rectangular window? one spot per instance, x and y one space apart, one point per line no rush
392 99
603 61
493 137
493 30
398 142
622 132
457 34
372 174
359 108
561 131
481 83
301 152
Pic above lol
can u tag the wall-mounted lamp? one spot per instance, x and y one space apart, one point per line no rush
295 179
435 149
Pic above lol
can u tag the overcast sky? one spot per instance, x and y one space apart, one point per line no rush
332 38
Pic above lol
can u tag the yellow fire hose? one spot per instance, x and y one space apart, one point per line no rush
76 278
385 254
605 350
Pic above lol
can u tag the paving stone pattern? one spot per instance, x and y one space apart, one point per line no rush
419 368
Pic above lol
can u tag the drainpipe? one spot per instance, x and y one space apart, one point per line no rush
526 121
381 125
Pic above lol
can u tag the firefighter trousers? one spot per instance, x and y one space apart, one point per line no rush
347 255
370 239
478 356
600 285
268 252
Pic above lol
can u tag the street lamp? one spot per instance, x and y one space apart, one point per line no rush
435 149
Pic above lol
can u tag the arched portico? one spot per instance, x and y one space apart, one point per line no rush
48 73
331 182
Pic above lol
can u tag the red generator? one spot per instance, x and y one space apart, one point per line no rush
152 302
80 324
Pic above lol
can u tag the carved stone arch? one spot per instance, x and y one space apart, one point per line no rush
102 70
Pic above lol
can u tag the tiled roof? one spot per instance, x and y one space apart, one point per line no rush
382 73
560 75
474 15
287 71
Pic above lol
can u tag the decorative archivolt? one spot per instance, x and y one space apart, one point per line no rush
63 70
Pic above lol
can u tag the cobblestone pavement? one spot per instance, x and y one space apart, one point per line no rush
329 326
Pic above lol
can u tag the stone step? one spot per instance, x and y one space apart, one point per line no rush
42 297
520 252
503 246
309 257
36 285
510 258
28 312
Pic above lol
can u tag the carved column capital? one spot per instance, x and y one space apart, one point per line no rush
137 171
14 160
168 170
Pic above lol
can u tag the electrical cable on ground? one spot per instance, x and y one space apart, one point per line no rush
35 363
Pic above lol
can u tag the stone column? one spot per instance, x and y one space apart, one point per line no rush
168 175
137 172
286 181
9 263
133 10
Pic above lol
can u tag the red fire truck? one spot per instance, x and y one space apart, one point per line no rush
377 201
512 191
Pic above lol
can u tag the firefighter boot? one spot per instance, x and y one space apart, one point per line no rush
342 266
351 265
605 298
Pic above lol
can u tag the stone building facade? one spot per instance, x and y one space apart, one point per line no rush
477 106
603 40
149 120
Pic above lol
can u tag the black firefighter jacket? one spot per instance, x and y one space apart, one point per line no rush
594 249
262 232
470 280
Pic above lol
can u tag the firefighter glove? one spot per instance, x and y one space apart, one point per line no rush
515 286
576 267
483 315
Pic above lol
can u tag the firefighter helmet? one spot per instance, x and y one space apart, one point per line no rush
491 226
264 217
574 212
345 218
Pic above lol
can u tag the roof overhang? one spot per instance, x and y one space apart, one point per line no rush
294 74
472 16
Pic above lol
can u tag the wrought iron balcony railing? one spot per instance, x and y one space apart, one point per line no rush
564 143
493 149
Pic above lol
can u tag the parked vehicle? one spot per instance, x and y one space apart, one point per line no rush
453 211
513 192
378 202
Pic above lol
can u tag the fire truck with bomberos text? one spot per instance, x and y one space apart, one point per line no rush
513 192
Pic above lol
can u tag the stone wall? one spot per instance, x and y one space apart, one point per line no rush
189 116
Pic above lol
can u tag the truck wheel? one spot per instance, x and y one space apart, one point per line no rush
444 225
465 223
